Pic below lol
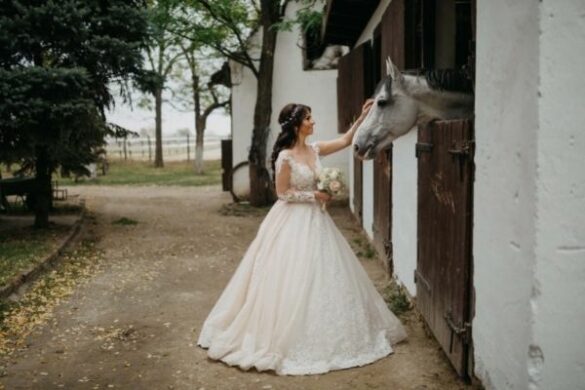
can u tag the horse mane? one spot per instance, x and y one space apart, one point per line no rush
454 80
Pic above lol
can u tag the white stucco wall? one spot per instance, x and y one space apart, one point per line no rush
350 184
243 99
529 237
504 201
404 209
291 84
559 286
368 198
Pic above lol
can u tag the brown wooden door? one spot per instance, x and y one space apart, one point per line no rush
388 42
226 164
353 87
444 264
383 208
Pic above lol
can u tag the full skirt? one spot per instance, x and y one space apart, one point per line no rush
299 302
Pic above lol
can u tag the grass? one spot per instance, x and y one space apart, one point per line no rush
22 248
176 173
125 221
363 249
242 210
396 299
59 208
369 252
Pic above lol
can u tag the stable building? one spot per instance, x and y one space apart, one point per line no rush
482 220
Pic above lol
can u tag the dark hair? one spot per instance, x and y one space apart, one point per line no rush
290 117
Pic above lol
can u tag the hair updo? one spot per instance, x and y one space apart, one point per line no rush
290 118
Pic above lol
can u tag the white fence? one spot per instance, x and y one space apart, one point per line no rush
174 148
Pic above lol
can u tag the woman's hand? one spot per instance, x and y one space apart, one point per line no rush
328 147
365 109
322 197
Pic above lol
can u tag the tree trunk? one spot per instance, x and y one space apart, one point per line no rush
199 133
261 193
158 150
43 193
199 121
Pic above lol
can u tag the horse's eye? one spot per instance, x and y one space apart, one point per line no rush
382 102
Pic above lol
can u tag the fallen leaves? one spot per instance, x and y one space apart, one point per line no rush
19 319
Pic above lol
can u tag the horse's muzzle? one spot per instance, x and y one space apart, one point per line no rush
364 151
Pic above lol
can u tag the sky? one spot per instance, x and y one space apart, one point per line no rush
136 118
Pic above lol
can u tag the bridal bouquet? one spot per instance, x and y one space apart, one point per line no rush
330 181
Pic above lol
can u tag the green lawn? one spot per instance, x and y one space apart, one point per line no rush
178 173
21 248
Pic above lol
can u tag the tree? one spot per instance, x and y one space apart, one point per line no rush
202 65
56 65
233 23
162 53
205 99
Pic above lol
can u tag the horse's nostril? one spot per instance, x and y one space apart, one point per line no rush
356 147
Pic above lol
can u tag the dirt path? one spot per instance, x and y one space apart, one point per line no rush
134 324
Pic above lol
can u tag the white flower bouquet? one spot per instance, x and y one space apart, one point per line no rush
330 181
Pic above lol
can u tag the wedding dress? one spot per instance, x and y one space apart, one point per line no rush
299 302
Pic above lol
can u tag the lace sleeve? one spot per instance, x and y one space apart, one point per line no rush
284 191
315 147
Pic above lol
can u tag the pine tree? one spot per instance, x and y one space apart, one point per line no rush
58 60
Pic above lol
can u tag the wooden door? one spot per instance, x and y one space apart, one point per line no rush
353 87
444 264
389 41
392 30
226 164
383 208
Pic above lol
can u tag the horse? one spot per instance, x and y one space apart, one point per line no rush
403 100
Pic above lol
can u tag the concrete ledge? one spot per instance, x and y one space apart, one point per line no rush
46 263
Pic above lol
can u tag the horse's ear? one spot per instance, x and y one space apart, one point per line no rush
391 69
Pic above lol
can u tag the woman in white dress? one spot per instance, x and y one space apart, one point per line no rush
300 302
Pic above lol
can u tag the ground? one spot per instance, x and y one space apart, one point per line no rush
133 323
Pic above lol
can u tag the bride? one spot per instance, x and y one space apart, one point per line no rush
300 302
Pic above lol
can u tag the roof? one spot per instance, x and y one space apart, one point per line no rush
346 19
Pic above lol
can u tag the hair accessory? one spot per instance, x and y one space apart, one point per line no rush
292 115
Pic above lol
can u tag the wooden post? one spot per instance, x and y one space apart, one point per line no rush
125 149
149 148
188 149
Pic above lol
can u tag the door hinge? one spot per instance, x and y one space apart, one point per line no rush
462 330
421 147
463 150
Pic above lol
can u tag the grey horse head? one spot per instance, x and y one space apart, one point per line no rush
401 101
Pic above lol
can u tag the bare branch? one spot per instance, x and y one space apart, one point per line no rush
213 107
150 59
171 62
242 57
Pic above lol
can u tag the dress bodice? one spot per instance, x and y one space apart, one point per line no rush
303 177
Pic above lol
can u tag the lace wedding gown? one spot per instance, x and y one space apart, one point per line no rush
299 302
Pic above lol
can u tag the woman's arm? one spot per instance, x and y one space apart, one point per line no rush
328 147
